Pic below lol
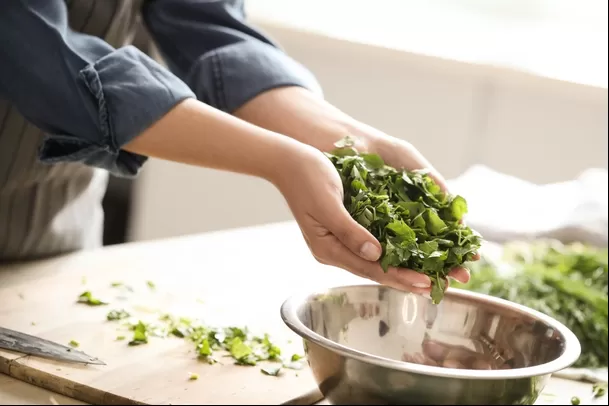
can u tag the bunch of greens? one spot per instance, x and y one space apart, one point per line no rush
565 281
418 225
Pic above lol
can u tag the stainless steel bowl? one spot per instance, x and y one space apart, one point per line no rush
370 344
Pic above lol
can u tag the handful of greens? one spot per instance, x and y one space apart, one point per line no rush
418 225
565 281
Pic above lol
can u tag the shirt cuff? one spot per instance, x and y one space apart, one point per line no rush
228 77
130 92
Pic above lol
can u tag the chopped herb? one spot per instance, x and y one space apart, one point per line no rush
575 400
599 389
193 377
74 343
140 334
88 299
271 370
417 224
243 347
121 285
117 315
151 285
33 323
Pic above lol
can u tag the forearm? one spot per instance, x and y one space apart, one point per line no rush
196 134
301 115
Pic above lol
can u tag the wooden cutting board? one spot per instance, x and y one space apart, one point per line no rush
232 278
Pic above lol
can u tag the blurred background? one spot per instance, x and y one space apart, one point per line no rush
519 86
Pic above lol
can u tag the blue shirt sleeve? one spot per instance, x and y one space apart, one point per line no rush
225 61
90 98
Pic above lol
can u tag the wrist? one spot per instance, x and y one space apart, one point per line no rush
303 116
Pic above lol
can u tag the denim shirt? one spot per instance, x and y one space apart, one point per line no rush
90 98
73 91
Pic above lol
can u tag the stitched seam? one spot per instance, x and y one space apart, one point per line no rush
93 82
218 83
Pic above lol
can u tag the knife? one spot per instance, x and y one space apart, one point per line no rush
31 345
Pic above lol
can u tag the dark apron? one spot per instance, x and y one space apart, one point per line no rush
53 209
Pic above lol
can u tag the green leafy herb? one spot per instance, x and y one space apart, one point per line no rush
565 281
117 315
575 400
599 389
88 299
243 347
271 370
119 284
120 338
74 343
140 334
151 285
418 225
193 377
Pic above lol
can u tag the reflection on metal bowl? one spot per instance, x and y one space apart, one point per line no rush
371 344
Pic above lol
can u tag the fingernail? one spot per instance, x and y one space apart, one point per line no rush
370 251
421 285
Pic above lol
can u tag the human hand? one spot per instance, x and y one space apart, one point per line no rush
401 154
314 192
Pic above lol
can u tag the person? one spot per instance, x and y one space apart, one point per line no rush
79 101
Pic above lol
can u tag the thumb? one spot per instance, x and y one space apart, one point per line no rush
353 235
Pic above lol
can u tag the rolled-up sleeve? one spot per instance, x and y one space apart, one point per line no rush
225 61
89 98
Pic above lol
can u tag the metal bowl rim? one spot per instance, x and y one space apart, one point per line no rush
572 346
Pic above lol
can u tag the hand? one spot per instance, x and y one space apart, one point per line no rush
303 116
403 155
314 192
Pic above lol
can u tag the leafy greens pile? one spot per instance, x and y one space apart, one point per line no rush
418 225
565 281
211 343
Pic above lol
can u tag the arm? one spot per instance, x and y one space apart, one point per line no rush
235 68
87 96
226 62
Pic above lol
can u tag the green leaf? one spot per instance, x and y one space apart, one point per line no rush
140 334
348 141
114 315
74 343
88 299
435 225
374 161
271 370
458 208
437 290
402 231
239 349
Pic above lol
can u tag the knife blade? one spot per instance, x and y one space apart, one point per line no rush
31 345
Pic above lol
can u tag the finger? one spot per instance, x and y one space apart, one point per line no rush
351 234
336 254
460 274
